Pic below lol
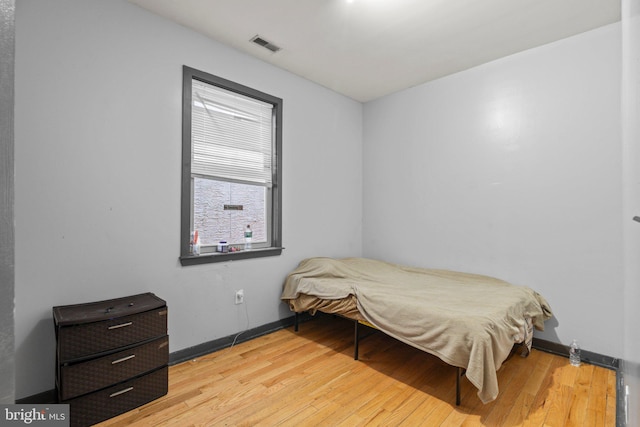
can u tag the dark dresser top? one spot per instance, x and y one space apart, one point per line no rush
107 309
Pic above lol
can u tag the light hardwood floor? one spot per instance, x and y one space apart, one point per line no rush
309 378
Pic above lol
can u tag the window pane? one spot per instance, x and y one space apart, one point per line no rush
245 204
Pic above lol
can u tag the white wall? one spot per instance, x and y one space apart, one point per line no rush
98 140
510 169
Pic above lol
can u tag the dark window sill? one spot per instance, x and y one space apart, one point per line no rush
229 256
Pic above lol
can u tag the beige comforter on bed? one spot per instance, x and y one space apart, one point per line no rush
467 320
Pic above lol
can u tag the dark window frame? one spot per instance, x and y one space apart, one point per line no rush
275 227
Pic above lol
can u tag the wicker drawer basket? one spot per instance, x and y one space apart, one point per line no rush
107 403
86 340
111 356
84 377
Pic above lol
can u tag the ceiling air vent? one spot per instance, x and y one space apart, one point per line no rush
265 44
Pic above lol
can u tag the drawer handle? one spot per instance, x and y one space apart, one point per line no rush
118 393
122 325
124 359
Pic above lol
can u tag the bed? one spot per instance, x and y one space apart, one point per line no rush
469 321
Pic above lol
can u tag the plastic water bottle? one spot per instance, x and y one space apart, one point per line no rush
248 234
574 353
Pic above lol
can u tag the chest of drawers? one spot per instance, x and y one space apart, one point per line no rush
111 356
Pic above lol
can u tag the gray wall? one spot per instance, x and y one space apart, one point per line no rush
510 169
98 127
7 235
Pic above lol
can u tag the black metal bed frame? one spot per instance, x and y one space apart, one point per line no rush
459 371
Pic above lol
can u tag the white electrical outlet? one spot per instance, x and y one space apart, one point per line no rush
240 296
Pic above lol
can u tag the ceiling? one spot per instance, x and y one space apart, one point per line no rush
366 49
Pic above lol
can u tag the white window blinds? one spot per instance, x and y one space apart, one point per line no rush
231 135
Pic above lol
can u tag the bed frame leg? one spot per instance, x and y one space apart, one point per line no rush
356 339
459 373
296 321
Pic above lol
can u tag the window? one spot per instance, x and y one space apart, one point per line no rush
231 170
